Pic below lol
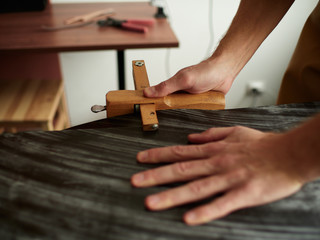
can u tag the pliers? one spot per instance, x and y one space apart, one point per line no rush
136 25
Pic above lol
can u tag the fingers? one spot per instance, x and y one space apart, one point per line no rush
179 153
162 89
233 200
227 134
178 172
194 191
183 80
212 134
182 170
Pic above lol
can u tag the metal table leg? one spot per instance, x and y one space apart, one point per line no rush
121 74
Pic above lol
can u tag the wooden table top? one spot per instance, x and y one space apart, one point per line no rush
74 184
22 31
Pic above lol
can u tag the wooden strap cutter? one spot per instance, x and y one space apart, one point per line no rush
129 101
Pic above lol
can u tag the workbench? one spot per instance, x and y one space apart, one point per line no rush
75 184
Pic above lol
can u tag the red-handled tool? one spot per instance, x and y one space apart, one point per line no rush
137 25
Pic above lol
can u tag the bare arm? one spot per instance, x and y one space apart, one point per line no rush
240 162
252 24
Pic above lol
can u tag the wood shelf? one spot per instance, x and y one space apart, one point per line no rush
32 104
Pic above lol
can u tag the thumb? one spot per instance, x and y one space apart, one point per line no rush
162 89
182 80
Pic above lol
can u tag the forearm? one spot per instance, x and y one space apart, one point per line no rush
253 22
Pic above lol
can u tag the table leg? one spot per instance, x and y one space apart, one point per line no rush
121 74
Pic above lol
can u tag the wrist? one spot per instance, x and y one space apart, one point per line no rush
228 68
303 146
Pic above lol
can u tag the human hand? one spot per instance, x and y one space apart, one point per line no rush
250 167
205 76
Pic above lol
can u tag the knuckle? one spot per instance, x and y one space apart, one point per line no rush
243 173
223 208
198 187
213 165
220 206
221 162
237 177
178 151
255 193
186 78
238 128
188 81
216 146
162 87
210 131
199 149
182 168
228 160
163 84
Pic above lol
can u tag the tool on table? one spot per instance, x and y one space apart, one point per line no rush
81 20
90 16
136 25
129 101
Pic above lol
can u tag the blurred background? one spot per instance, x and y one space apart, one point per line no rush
199 26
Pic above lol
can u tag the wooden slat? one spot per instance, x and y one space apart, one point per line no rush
59 122
140 76
46 101
25 99
149 117
64 110
147 111
28 104
9 91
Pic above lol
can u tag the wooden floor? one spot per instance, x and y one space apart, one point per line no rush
74 184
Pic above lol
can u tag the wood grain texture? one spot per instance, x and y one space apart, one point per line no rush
33 103
74 184
147 111
29 99
149 117
121 102
23 31
140 75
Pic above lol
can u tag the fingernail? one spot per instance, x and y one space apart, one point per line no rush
142 156
190 217
138 178
193 135
152 201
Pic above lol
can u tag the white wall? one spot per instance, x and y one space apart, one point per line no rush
89 75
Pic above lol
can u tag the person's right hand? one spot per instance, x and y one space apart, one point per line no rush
205 76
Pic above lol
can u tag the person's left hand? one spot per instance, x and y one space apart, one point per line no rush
250 167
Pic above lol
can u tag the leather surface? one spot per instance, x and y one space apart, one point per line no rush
74 184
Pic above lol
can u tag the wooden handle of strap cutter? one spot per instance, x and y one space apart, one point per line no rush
123 101
147 111
126 101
